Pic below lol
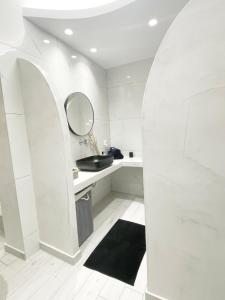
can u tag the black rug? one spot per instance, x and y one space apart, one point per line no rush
120 253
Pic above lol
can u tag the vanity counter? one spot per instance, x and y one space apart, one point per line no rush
87 178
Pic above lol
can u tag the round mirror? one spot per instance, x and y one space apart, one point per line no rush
80 113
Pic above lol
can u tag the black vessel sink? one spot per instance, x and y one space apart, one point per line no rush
95 163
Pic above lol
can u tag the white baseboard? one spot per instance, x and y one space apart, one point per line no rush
150 296
71 259
18 253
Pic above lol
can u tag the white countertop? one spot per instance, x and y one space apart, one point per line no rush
87 178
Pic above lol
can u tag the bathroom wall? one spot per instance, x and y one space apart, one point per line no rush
68 75
11 23
8 196
16 190
1 222
184 165
126 85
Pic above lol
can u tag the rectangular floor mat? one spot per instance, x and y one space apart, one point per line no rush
120 253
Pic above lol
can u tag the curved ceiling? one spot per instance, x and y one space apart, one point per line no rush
69 9
121 36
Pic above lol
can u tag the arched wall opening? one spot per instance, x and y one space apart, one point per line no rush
17 196
184 166
51 164
38 206
11 234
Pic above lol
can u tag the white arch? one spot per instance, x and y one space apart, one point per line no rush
184 165
39 151
69 9
51 162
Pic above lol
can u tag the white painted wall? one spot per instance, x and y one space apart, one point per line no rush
184 166
126 85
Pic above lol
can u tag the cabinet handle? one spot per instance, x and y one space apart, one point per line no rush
87 198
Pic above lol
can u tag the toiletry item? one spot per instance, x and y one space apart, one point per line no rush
131 154
116 153
75 173
106 148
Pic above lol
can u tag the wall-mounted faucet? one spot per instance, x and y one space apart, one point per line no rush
83 141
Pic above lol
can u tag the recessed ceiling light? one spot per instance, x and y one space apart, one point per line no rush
68 31
128 77
153 22
46 41
73 56
93 50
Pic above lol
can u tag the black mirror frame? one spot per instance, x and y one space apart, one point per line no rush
65 107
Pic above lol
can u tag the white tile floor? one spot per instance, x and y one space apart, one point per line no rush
45 277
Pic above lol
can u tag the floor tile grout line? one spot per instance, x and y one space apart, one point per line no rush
110 214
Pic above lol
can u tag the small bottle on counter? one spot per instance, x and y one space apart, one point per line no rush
105 148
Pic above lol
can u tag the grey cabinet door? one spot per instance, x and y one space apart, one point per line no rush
85 225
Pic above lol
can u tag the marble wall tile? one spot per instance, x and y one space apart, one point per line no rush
11 217
183 146
19 145
101 190
133 73
11 86
128 181
79 75
26 202
205 128
125 101
66 75
126 85
11 23
8 196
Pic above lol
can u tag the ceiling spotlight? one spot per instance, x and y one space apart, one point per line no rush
68 31
73 56
46 41
93 50
128 77
153 22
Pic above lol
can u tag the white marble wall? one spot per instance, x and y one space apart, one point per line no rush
129 181
72 75
126 85
184 167
8 195
1 221
66 75
16 192
11 23
50 161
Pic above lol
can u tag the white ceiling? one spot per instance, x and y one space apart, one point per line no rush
69 9
121 36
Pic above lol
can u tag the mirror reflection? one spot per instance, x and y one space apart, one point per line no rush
80 114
